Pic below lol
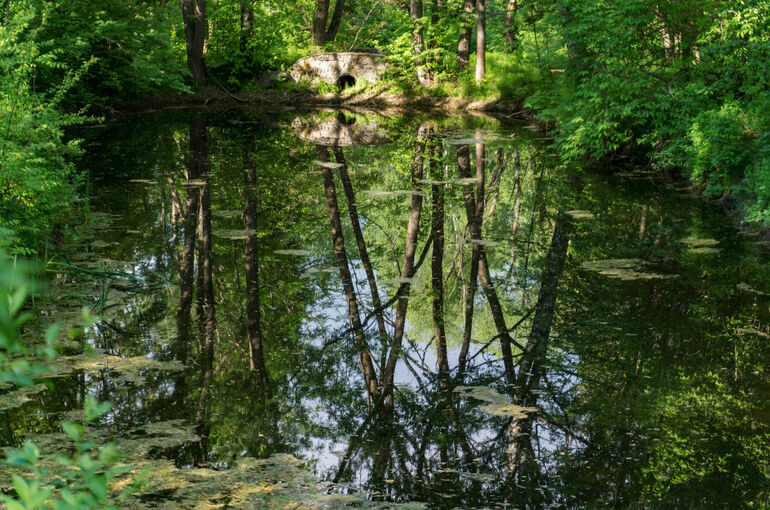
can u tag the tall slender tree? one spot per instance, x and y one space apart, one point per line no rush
481 41
464 40
194 16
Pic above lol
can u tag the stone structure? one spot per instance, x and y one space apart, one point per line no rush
344 69
341 131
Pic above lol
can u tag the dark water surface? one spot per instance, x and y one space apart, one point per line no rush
300 284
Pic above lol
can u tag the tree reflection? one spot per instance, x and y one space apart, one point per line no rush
588 387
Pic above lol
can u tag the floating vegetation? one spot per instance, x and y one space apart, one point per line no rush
624 269
142 181
398 281
752 331
701 246
131 370
498 404
485 242
465 141
328 164
315 270
281 481
375 193
234 234
298 253
20 396
465 181
706 250
196 182
577 214
432 181
100 244
224 213
745 287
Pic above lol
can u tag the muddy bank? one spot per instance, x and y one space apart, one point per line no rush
391 102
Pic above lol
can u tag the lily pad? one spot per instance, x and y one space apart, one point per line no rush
235 235
624 269
577 214
328 164
299 253
224 213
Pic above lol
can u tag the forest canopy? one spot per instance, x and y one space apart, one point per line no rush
681 85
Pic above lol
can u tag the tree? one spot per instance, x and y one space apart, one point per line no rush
194 14
464 41
321 34
418 43
481 41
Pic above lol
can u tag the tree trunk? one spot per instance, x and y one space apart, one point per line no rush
194 16
511 30
247 17
350 197
464 42
412 229
322 35
530 370
367 363
253 313
418 43
464 169
481 41
437 266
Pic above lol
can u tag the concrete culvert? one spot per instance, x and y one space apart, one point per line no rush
345 81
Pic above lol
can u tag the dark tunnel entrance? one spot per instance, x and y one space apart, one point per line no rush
345 81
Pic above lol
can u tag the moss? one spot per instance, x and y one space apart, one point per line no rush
20 396
624 269
497 404
132 370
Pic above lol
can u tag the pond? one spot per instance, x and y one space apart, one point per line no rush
329 309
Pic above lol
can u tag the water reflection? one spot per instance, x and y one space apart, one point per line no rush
297 298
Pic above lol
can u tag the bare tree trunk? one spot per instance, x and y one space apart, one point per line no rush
474 209
247 17
194 16
481 41
464 41
336 21
464 169
189 225
437 266
516 204
407 267
530 370
418 43
511 30
253 312
537 343
643 222
367 363
206 303
350 196
322 35
319 21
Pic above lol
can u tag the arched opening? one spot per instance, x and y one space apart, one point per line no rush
345 120
345 81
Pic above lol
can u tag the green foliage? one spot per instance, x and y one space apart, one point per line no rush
81 481
36 185
684 82
127 44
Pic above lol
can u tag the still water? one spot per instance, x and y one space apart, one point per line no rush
314 310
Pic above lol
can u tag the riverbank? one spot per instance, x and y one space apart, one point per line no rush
216 96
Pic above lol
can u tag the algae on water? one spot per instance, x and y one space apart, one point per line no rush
497 404
624 269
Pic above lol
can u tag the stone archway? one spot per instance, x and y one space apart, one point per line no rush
341 69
